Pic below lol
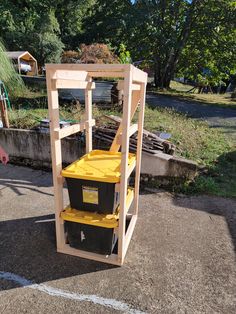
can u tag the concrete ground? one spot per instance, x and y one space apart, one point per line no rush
181 258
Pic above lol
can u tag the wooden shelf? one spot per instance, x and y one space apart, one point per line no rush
133 86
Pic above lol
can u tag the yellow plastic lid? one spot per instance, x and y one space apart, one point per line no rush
87 218
94 219
98 165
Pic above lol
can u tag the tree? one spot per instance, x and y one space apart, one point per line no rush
210 53
162 29
187 36
31 25
70 15
108 22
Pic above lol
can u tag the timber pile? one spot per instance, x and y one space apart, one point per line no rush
151 142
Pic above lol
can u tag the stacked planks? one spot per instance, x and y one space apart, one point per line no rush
151 142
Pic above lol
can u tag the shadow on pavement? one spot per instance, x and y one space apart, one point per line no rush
220 206
24 178
224 175
28 249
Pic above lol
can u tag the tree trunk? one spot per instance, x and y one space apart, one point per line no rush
163 80
233 95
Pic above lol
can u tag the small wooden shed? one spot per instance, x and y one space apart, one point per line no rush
24 56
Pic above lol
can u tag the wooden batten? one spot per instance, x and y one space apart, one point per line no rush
120 86
133 86
73 84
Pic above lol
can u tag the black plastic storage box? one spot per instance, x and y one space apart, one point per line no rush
91 181
90 231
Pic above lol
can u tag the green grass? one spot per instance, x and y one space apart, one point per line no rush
218 179
194 140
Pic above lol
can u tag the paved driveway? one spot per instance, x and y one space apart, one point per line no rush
181 258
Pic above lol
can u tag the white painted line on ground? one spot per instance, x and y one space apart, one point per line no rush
111 303
45 220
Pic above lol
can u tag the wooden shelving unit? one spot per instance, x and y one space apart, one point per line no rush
132 85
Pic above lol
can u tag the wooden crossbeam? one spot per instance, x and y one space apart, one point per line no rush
69 130
59 74
109 259
106 74
120 86
138 75
73 84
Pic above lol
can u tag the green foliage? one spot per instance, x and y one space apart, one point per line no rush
32 26
108 22
195 39
8 74
211 49
124 55
70 15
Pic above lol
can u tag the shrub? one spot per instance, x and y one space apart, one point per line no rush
97 53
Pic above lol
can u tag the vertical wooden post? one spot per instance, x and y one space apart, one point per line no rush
53 107
124 162
139 146
4 114
88 117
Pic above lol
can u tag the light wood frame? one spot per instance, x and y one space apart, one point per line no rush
133 87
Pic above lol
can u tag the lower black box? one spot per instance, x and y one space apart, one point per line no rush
90 238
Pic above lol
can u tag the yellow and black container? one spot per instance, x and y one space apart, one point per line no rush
91 181
91 231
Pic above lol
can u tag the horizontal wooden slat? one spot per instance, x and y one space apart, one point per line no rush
67 131
106 74
110 259
71 75
73 83
120 86
138 75
88 67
